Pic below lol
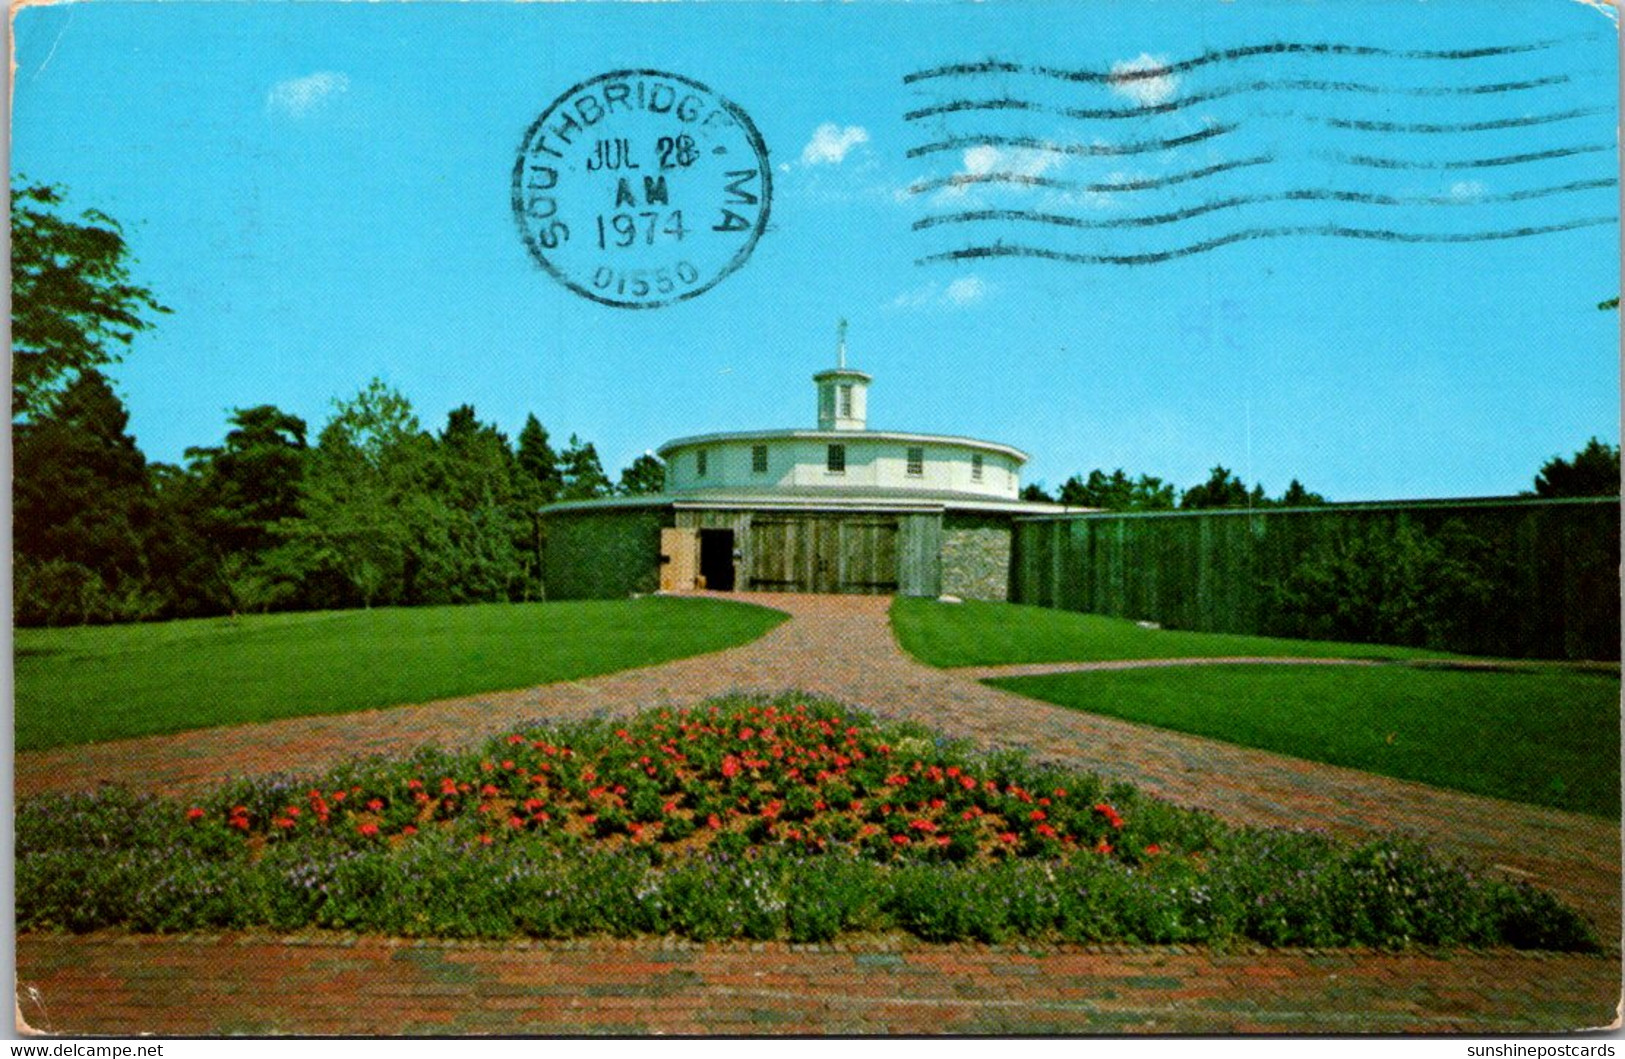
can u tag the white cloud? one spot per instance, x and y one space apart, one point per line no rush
967 290
986 158
830 144
299 96
1152 83
962 292
1466 190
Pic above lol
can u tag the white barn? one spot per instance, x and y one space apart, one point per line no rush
835 508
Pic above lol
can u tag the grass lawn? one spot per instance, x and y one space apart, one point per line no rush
990 634
1545 736
84 685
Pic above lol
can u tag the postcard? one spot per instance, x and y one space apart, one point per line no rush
884 519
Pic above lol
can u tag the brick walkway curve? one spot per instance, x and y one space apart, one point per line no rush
842 647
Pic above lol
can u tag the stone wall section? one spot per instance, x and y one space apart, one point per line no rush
976 557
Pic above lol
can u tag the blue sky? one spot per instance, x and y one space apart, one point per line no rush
321 193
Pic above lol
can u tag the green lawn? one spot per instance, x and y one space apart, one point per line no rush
1540 735
987 634
88 684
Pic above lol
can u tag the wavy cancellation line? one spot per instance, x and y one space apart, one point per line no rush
1053 184
1034 143
1373 162
1005 250
1060 220
1223 55
1011 103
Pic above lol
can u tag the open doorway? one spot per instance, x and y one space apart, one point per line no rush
717 559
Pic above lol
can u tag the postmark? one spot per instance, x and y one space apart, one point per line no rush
640 188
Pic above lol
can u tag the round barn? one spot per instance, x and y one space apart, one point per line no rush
835 508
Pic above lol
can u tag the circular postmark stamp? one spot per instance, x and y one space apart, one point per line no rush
640 188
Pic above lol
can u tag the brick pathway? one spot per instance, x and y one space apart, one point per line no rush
266 985
841 646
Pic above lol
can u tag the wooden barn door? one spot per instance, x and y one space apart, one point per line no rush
868 560
822 553
777 555
825 555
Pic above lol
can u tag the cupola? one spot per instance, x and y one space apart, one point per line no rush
843 392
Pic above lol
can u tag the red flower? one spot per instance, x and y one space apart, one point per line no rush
368 830
1153 849
899 840
730 766
485 840
1037 814
516 822
1008 838
922 825
714 822
1103 847
283 822
376 805
194 813
409 830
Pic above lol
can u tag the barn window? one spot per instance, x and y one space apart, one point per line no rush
837 459
916 462
758 459
846 401
976 466
699 462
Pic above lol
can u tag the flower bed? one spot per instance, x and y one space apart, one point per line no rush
741 818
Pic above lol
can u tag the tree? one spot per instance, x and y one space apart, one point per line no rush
583 473
1035 492
1594 471
73 305
1297 496
1222 489
250 484
84 511
474 553
1117 492
645 476
365 498
538 476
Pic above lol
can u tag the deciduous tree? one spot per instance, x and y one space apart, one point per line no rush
73 305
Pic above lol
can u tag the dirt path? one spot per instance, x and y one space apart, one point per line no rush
842 647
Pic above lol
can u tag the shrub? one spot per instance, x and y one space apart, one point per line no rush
1394 584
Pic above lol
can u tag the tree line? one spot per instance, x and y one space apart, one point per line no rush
377 510
1118 492
1592 471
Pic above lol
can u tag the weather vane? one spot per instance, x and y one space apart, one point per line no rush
840 342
